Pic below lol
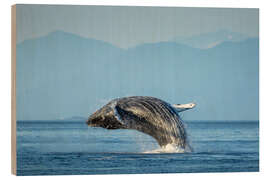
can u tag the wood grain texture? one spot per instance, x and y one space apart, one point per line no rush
13 90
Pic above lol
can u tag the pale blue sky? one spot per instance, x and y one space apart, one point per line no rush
129 26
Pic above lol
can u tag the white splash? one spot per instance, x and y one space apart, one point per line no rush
169 148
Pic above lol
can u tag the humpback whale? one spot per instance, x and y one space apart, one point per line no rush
149 115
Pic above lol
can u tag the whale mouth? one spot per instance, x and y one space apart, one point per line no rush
94 123
104 122
89 123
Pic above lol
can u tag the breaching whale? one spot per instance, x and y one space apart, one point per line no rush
149 115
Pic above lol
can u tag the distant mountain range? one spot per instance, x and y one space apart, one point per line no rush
210 40
73 119
65 75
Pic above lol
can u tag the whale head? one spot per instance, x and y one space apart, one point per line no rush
105 118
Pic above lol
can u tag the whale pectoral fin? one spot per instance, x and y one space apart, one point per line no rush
125 116
129 117
183 107
122 114
117 115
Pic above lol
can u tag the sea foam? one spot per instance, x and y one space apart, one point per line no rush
169 148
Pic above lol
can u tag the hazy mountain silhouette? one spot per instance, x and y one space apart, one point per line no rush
212 39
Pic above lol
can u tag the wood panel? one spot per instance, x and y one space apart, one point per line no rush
13 90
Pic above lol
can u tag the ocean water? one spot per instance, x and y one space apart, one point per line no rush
61 148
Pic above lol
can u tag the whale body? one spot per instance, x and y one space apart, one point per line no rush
149 115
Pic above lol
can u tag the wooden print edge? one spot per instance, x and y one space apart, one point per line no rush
13 91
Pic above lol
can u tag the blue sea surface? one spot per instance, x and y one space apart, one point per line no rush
62 148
